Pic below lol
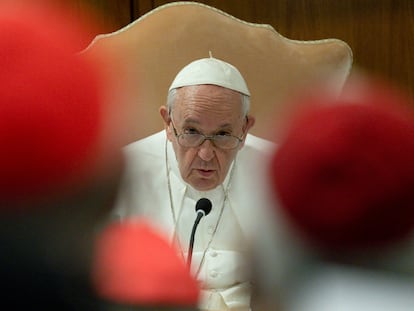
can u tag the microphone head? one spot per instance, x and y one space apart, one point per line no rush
204 205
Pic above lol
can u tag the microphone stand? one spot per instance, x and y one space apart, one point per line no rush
200 214
203 208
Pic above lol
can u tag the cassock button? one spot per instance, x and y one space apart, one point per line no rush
213 273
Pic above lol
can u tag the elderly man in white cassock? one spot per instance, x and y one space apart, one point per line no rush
205 151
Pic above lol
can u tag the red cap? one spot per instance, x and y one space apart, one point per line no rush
134 265
50 105
345 171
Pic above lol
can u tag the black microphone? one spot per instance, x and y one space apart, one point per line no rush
203 208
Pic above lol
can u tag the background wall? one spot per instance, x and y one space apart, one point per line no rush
380 32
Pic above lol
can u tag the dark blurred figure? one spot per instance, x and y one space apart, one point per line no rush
58 170
344 175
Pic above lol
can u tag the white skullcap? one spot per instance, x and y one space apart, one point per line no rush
211 71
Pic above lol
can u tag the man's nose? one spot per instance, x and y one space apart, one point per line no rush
206 150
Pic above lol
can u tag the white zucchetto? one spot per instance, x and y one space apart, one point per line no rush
211 71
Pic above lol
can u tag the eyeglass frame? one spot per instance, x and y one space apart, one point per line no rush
206 137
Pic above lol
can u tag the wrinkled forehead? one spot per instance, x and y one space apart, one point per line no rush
208 98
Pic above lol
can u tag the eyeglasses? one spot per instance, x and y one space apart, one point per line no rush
222 141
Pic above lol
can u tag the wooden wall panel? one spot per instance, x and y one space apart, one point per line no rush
140 7
108 15
401 55
380 32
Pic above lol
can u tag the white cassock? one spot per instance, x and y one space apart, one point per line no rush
222 245
333 287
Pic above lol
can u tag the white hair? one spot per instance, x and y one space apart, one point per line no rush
245 101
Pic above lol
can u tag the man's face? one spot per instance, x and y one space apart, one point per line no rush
209 110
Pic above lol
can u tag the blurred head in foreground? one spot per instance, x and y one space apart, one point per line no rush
134 267
58 170
51 106
344 172
344 175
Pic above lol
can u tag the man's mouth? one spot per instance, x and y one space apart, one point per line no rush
205 173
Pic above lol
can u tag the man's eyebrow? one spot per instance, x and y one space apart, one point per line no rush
191 121
225 126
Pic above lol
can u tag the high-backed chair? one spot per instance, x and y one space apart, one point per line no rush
151 50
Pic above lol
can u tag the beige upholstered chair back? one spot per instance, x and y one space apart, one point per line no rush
152 49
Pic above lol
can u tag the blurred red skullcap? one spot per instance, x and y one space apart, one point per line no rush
50 105
134 265
345 171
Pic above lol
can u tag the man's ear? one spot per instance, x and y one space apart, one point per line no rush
250 121
248 124
165 115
